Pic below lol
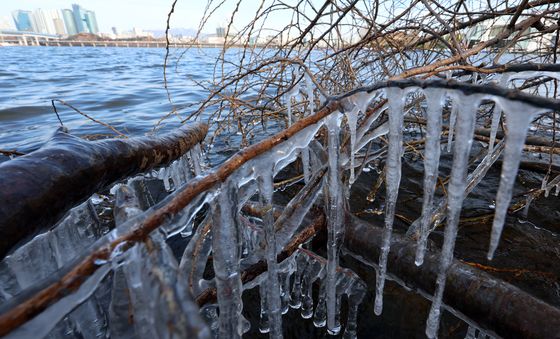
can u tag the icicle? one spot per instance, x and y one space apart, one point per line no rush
225 245
434 99
393 177
320 316
342 284
496 114
289 108
195 257
196 154
313 272
452 119
376 133
289 95
352 119
456 194
310 96
295 297
307 171
273 299
518 116
164 174
334 221
285 291
354 300
264 323
363 102
183 221
126 207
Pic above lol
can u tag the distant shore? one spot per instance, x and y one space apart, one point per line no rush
125 44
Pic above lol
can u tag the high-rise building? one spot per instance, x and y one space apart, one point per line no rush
85 20
53 21
47 21
23 20
80 18
69 22
39 21
91 22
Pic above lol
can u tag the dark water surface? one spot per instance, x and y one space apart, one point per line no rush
121 86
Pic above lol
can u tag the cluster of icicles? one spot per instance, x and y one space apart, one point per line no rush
296 276
158 289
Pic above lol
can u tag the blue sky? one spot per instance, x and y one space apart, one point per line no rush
145 14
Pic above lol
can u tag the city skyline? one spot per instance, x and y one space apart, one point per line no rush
142 14
56 21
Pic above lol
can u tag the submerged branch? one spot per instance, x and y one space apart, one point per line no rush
504 308
38 188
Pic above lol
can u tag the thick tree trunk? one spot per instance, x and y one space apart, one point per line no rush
491 302
37 189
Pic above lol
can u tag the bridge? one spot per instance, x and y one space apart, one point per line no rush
19 38
10 37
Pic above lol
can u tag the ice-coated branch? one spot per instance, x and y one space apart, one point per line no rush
465 88
13 317
38 188
38 300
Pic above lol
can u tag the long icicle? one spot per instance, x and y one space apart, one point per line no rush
456 195
352 120
226 261
334 216
519 116
307 173
273 302
434 98
396 98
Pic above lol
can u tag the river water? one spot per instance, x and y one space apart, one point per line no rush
120 86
